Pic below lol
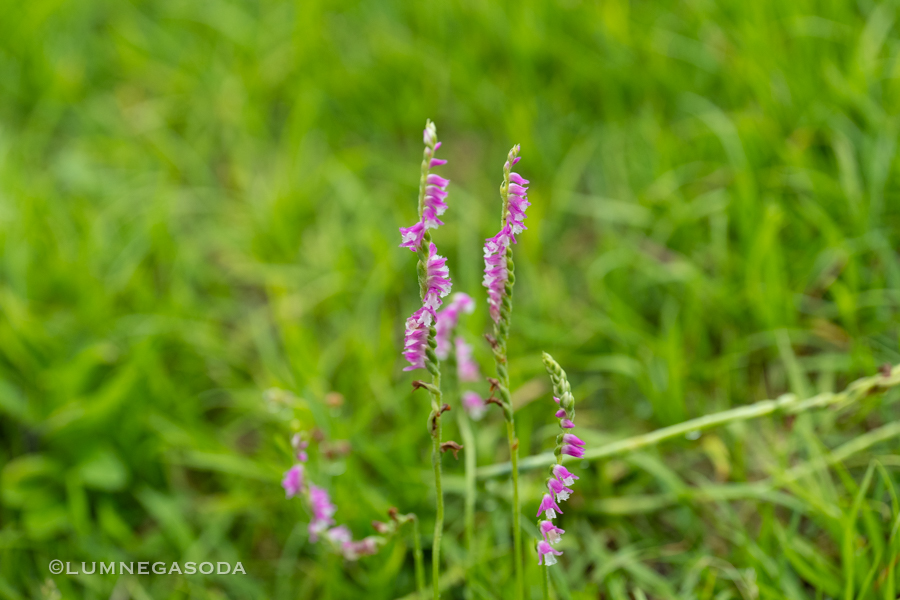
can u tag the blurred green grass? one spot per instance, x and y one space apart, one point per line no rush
199 202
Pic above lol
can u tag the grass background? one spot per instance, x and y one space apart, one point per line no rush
199 202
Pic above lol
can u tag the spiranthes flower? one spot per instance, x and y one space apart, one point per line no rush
496 271
429 135
563 475
339 534
323 511
300 445
474 405
354 549
437 284
571 450
496 268
568 444
436 191
411 237
518 203
293 481
548 507
571 438
438 273
561 491
432 202
415 343
547 554
550 531
447 319
466 367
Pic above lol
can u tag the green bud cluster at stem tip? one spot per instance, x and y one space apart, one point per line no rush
563 391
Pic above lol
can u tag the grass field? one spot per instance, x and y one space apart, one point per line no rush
199 204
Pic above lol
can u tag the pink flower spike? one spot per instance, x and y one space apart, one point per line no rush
474 405
437 180
496 271
415 343
439 193
573 450
293 481
563 475
365 547
323 511
322 507
550 531
567 424
561 491
447 320
411 237
432 302
548 507
339 534
434 200
437 272
466 367
430 219
516 178
561 413
570 438
315 528
437 162
547 554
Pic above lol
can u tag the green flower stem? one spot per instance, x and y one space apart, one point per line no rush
469 456
517 529
434 428
465 430
439 500
786 404
501 337
545 582
433 366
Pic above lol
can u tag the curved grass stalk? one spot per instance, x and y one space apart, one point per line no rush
786 404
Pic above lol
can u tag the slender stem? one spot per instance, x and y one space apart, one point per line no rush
501 337
465 430
435 427
545 582
439 512
787 404
417 558
517 530
469 456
